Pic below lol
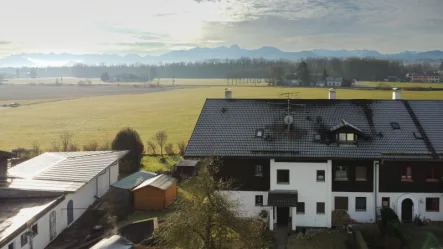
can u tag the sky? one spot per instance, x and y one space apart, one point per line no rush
157 26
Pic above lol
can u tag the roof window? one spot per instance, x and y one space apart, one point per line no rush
317 137
259 133
395 126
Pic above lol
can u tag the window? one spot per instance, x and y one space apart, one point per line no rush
346 137
23 240
385 202
432 204
258 170
395 126
317 137
34 230
360 173
432 175
341 203
283 176
300 207
259 133
259 200
360 203
320 207
341 173
320 175
11 246
406 174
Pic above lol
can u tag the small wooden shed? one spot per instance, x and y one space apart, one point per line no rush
156 193
186 168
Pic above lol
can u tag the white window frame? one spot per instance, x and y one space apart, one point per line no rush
258 170
341 169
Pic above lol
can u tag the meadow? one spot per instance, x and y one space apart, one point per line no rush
99 118
397 84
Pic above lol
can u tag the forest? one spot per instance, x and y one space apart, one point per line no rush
367 69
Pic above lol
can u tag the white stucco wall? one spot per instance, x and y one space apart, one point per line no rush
303 178
103 180
114 173
246 202
360 216
419 200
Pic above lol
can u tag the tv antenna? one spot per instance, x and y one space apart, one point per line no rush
289 119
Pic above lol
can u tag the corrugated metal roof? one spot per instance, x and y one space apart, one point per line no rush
42 185
81 168
66 166
133 180
162 182
114 242
187 163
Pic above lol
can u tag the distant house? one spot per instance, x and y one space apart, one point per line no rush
50 192
156 193
333 81
424 77
392 79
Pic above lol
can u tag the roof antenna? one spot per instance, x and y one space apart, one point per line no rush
289 119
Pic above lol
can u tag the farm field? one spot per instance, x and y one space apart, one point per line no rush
397 84
100 118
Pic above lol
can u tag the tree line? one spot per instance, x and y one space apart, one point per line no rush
252 69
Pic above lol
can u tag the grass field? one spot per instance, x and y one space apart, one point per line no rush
397 84
163 82
176 112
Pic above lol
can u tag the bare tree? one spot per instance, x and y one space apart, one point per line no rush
91 146
161 137
207 219
66 141
55 147
169 148
152 147
181 148
35 151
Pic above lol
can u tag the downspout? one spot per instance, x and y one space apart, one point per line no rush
376 170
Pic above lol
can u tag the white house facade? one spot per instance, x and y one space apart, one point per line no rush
85 178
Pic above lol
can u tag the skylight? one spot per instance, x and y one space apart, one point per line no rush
259 133
395 125
317 137
417 135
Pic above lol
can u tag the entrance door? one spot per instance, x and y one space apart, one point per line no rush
406 210
70 212
282 215
52 225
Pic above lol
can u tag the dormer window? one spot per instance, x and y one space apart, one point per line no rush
259 133
346 137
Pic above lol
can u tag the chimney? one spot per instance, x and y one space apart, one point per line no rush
331 93
4 156
396 94
228 93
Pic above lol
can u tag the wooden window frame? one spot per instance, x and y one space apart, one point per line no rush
406 174
432 177
347 203
435 204
383 199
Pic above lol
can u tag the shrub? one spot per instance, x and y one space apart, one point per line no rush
388 214
181 148
169 149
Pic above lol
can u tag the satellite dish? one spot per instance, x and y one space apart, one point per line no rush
289 119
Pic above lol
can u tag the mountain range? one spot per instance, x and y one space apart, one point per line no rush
198 54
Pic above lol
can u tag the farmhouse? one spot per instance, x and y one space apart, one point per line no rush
300 159
41 197
156 193
333 81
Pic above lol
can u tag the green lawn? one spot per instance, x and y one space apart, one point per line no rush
176 112
152 163
323 240
398 84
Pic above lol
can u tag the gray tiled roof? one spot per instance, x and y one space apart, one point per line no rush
133 180
66 166
231 133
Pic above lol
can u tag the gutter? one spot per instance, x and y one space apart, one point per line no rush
31 221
